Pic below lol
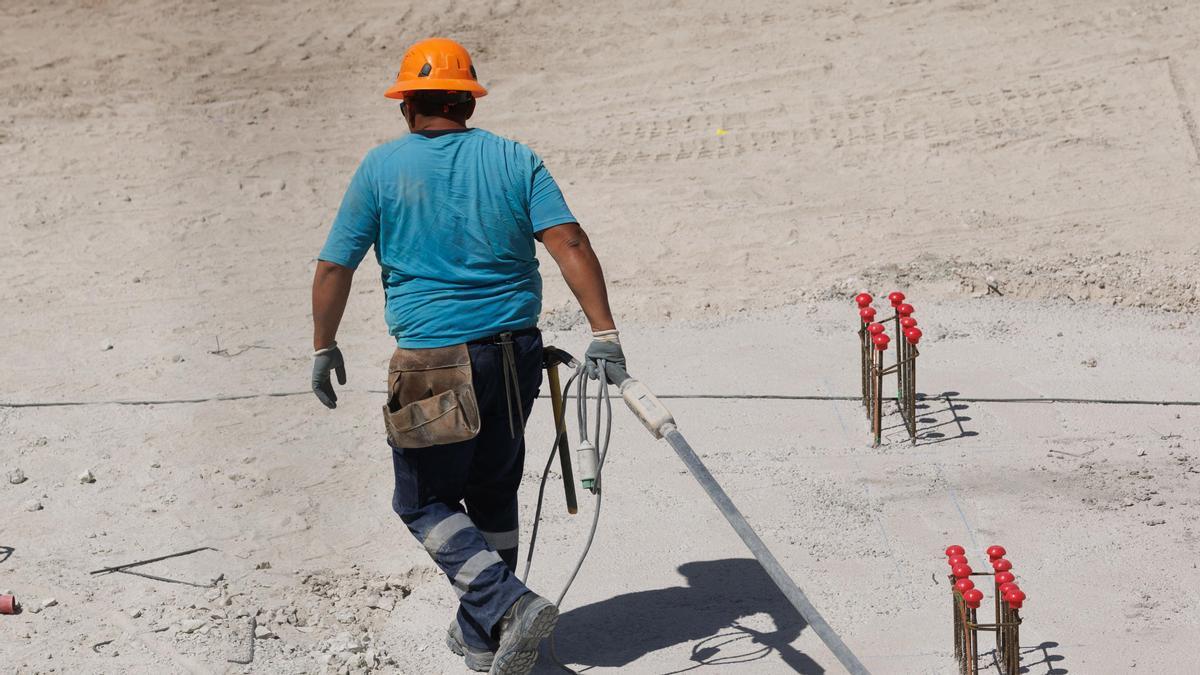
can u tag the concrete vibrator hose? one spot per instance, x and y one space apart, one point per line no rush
661 424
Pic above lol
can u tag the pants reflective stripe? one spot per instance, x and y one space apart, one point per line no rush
473 567
502 541
440 534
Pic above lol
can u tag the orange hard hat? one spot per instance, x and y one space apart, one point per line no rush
436 64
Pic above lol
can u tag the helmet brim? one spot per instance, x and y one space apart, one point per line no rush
399 89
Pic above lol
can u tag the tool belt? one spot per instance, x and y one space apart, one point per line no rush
431 397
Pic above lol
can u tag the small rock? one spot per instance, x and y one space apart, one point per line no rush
263 566
387 603
48 603
34 609
106 345
262 632
16 476
345 644
1157 521
86 477
191 625
1141 452
136 613
1089 363
32 505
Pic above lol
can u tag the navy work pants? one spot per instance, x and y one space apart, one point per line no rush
460 500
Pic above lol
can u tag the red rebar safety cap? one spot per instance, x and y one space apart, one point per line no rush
905 310
1015 598
1005 588
913 334
1004 578
956 560
964 585
863 299
867 313
996 552
908 322
973 597
875 328
962 571
955 550
881 341
896 297
1001 565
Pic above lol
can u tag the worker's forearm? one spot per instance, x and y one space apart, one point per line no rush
581 270
330 291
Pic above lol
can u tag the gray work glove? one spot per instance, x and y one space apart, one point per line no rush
606 346
325 360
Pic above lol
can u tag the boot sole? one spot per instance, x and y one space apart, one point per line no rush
517 654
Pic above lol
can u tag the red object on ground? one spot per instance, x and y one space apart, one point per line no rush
1001 565
875 328
8 604
867 313
955 550
996 552
905 310
896 297
908 322
962 571
863 299
973 597
964 585
881 341
1015 598
913 334
1004 578
956 560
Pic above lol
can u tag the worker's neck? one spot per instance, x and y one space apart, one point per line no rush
434 123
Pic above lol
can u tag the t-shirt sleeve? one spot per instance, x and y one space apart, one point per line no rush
547 207
356 226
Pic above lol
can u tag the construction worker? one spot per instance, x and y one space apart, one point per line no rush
453 214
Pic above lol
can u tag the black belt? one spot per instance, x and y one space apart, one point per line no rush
498 338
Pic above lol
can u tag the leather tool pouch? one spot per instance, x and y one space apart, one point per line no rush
431 397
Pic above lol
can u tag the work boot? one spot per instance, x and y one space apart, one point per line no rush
479 660
530 620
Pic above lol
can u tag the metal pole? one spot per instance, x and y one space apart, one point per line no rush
864 353
912 394
772 567
877 403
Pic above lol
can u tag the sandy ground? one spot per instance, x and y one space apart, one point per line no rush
168 171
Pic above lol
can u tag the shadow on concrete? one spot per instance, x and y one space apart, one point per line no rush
1035 660
707 612
931 429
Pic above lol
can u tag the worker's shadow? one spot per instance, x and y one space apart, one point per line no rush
707 612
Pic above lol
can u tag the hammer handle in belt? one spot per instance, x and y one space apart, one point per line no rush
560 431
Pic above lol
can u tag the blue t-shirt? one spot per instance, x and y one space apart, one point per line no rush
452 217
